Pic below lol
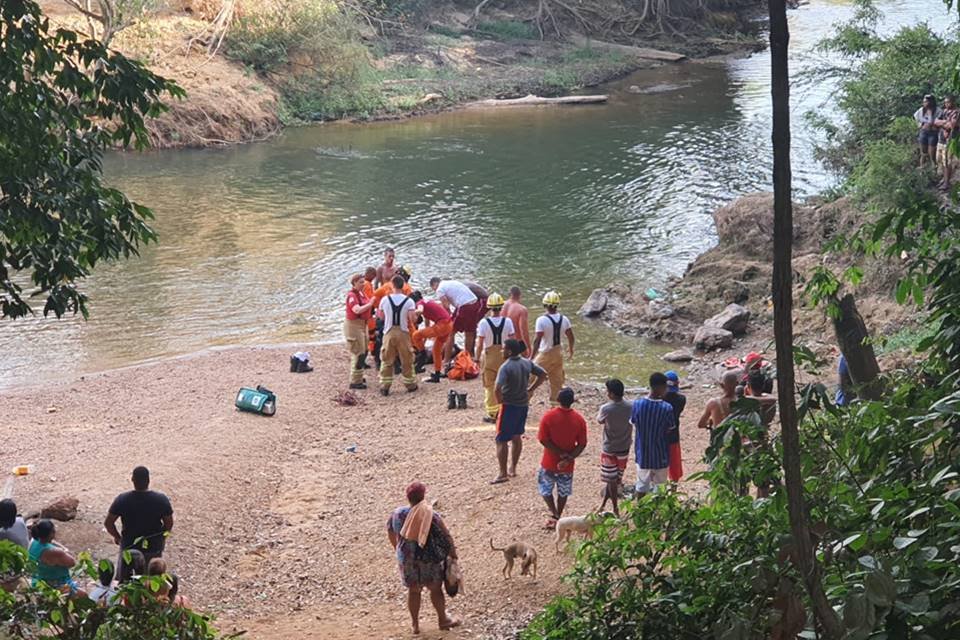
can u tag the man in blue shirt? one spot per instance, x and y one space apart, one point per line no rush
653 419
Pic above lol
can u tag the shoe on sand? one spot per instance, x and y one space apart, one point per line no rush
385 391
358 385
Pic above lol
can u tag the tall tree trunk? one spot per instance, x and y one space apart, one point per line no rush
783 321
861 360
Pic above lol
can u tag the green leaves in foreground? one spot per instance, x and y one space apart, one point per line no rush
66 100
883 491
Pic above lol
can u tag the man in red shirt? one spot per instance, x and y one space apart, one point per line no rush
438 325
358 313
563 434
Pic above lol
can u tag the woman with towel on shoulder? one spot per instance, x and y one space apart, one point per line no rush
423 543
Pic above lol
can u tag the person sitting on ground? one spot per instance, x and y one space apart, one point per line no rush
926 117
146 517
157 568
678 402
53 561
519 315
718 409
174 597
12 527
563 434
653 419
513 392
133 565
422 543
13 530
615 450
104 593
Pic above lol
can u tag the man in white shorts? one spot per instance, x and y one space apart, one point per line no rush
652 418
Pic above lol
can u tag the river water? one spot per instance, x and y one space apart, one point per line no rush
257 242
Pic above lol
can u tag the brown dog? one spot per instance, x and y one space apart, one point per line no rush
526 553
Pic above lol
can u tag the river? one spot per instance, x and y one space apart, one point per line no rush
257 242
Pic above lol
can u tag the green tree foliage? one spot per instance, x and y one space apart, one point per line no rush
38 611
882 489
66 100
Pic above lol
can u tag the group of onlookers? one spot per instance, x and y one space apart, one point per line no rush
146 518
938 126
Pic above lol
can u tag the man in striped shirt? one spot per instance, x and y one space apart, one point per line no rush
653 419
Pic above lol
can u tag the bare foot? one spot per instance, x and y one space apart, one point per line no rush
416 629
450 623
512 472
499 480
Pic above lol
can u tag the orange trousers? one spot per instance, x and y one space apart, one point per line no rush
440 332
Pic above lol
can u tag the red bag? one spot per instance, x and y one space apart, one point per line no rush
464 368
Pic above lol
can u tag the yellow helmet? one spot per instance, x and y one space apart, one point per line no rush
405 271
495 301
551 299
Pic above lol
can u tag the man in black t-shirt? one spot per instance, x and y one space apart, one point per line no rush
146 517
678 401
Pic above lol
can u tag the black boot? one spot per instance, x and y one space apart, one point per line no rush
434 377
461 401
452 399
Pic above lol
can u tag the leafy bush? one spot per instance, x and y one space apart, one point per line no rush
507 30
40 611
882 489
326 68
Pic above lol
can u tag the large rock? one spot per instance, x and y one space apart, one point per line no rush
595 304
680 355
734 319
62 509
709 338
659 310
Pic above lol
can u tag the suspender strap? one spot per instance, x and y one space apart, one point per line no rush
557 325
497 331
397 310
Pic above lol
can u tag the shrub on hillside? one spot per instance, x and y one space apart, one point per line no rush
326 69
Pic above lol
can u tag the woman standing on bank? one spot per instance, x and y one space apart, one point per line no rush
422 543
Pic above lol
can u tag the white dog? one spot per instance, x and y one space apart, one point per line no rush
567 525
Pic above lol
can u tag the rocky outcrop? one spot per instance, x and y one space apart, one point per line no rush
595 304
680 355
63 509
709 338
733 318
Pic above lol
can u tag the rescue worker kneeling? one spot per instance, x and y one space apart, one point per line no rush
398 312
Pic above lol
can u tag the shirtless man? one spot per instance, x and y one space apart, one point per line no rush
518 314
718 409
388 269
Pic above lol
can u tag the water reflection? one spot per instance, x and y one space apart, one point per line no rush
257 242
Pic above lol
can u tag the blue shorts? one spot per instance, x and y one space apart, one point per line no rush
511 422
546 480
928 138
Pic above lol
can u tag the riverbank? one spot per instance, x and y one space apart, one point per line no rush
738 271
248 82
279 525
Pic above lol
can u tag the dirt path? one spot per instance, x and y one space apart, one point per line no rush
279 529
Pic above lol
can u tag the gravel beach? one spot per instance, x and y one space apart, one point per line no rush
280 523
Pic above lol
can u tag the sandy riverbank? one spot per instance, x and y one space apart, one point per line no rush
279 530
